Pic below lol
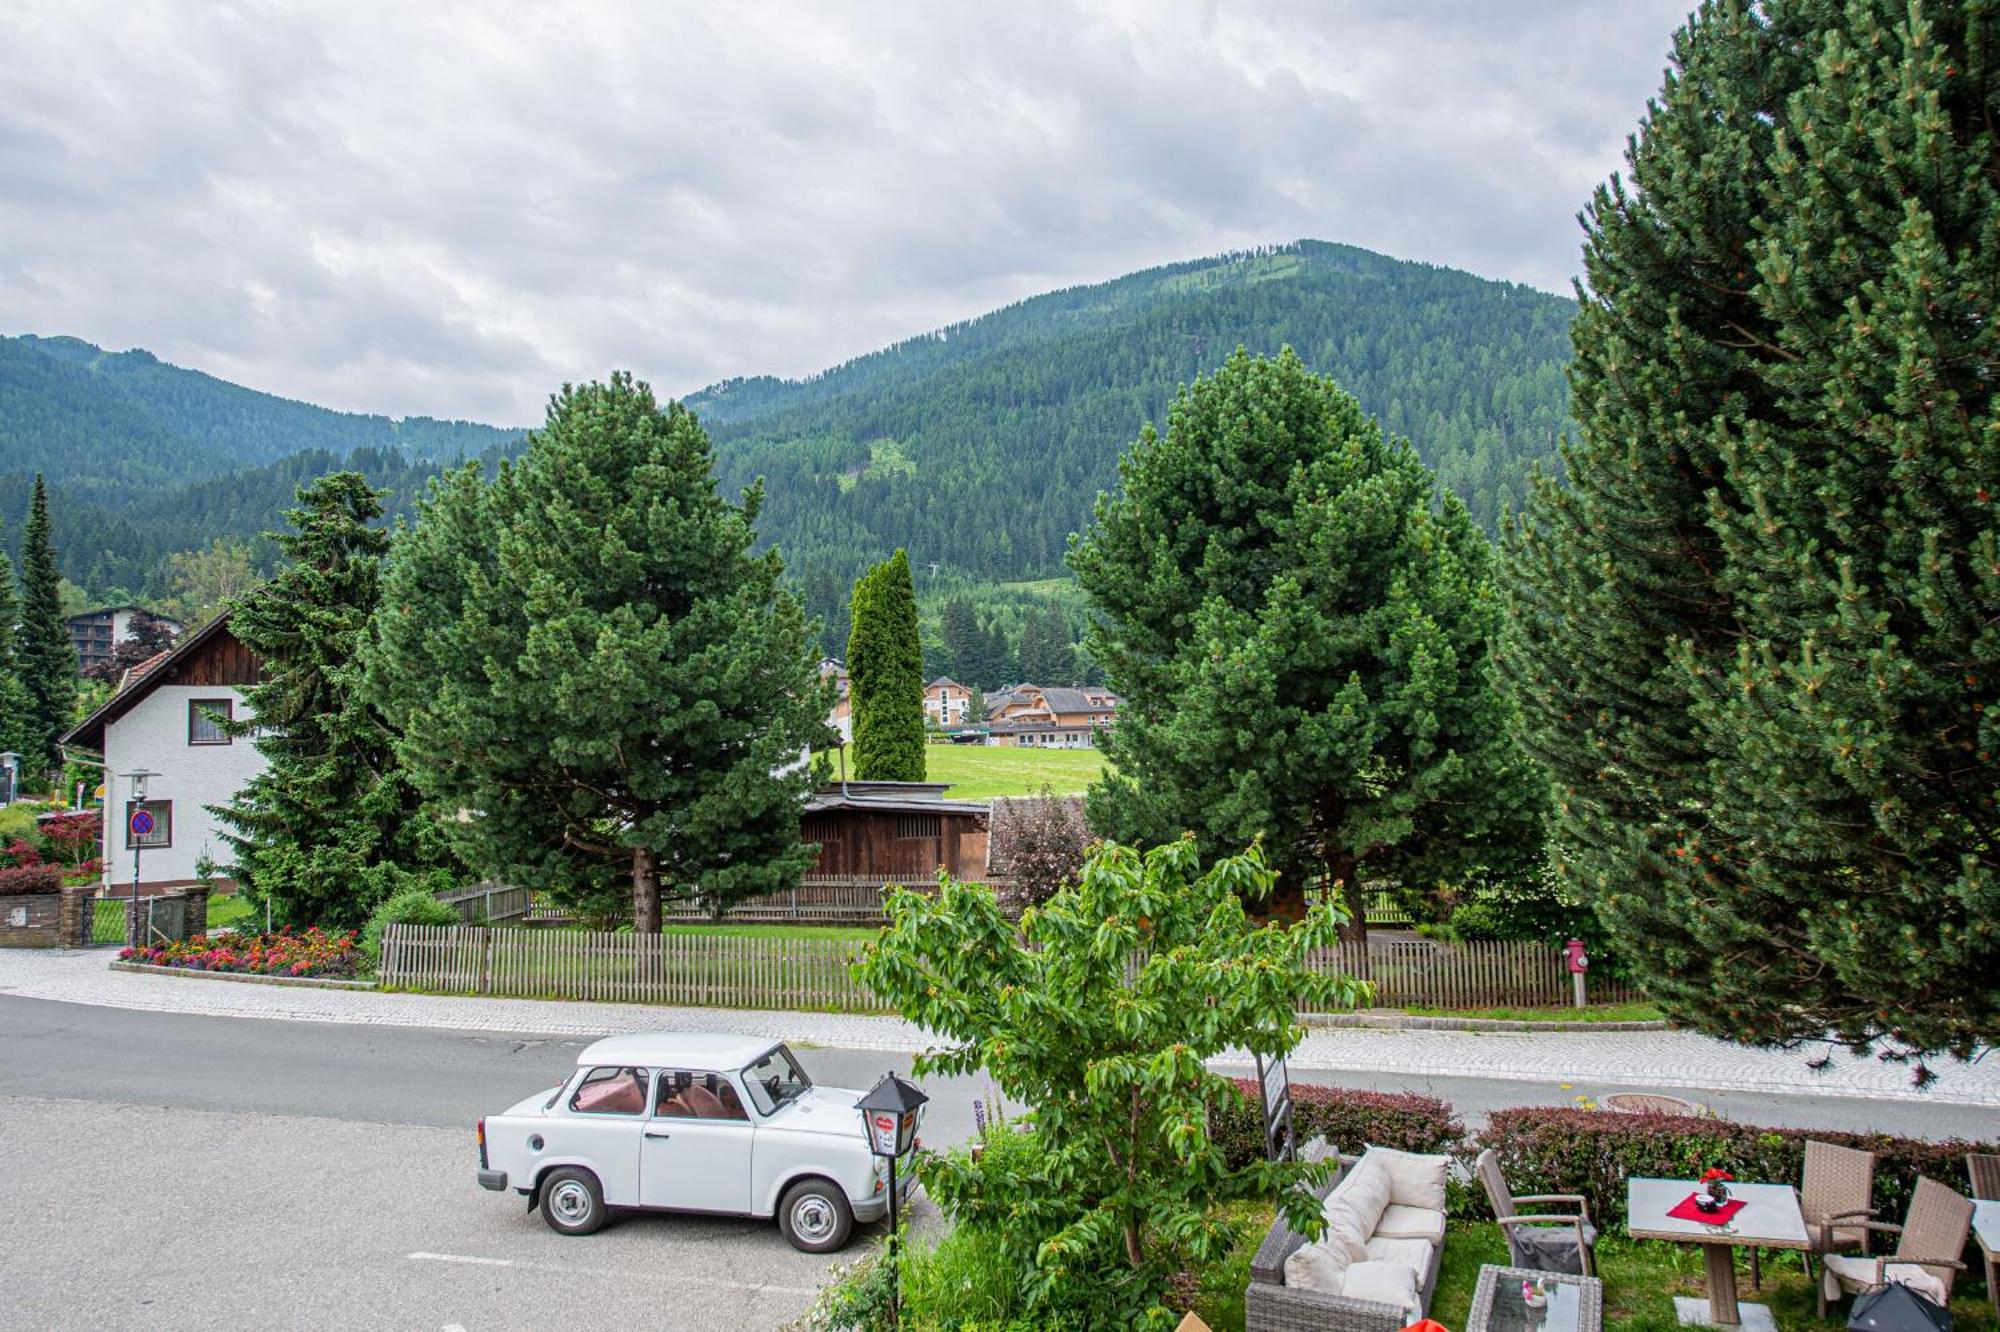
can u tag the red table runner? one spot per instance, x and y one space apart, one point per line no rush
1685 1210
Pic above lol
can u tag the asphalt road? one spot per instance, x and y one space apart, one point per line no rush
168 1171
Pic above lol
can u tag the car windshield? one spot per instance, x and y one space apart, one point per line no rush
776 1080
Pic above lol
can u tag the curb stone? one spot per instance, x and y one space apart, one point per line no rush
1408 1022
245 977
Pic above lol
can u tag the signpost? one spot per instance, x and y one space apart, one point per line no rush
140 827
1274 1088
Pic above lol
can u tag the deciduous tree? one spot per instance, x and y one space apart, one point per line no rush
593 673
1299 625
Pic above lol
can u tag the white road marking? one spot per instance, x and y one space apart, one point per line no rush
460 1258
624 1273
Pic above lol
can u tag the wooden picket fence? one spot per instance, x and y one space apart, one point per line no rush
1484 973
780 972
688 970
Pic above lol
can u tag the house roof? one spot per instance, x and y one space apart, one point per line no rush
944 680
113 610
890 798
139 682
1072 700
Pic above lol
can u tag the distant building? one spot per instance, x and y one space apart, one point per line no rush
841 718
95 634
164 719
1027 714
946 701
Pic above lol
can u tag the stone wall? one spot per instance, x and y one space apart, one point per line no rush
47 920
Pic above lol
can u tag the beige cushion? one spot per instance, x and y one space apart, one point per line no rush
1414 1254
1384 1283
1356 1204
1317 1266
1414 1180
1400 1222
1858 1274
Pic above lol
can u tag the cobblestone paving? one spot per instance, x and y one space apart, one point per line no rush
1650 1058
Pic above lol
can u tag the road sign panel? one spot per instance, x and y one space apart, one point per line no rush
142 823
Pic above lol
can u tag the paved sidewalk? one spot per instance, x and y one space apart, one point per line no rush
1649 1059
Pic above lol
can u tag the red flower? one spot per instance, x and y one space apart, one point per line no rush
1713 1173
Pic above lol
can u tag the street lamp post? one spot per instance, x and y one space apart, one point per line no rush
889 1115
10 776
137 815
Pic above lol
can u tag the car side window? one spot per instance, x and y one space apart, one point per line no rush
610 1091
697 1094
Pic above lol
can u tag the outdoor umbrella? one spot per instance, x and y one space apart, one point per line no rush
1897 1308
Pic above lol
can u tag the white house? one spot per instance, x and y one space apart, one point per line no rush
946 701
163 720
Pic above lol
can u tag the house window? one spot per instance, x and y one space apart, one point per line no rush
205 720
163 824
909 827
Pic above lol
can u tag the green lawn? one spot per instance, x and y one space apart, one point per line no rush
981 772
228 910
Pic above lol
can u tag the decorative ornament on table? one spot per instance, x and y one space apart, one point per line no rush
1535 1294
1715 1189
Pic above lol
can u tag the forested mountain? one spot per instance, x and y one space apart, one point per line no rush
979 448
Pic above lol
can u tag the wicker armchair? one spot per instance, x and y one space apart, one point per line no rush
1527 1244
1928 1244
1836 1196
1984 1170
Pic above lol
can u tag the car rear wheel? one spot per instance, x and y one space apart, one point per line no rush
572 1201
815 1216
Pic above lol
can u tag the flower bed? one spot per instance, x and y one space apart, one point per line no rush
313 953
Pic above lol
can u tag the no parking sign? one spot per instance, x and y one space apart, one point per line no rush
141 824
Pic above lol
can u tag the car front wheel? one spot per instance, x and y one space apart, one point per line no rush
815 1216
572 1201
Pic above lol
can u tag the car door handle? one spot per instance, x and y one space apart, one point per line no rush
651 1134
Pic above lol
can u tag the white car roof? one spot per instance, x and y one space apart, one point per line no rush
678 1049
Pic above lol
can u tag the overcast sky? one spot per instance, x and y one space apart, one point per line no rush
449 209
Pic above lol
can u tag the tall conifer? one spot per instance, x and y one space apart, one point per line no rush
1753 637
332 826
885 668
1299 625
42 647
16 708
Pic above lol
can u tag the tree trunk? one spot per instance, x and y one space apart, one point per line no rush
1344 883
1287 902
645 891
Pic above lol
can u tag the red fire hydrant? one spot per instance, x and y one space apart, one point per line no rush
1579 963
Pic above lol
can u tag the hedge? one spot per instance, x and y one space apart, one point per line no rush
25 879
1593 1152
1350 1120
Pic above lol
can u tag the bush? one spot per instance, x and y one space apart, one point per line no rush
1350 1120
1592 1152
25 879
314 953
1038 844
411 906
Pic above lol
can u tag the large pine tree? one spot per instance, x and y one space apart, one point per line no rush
46 658
885 670
332 826
591 669
1754 637
1300 627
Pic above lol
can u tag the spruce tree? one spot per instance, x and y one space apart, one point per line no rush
1047 654
332 826
1753 637
1299 625
964 644
16 707
46 658
588 664
885 669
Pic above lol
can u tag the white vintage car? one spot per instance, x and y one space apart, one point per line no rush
691 1122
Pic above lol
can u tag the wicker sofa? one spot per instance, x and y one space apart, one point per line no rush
1269 1305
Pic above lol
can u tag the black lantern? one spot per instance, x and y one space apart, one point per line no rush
889 1111
889 1118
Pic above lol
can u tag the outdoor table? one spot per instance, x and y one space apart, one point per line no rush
1986 1229
1576 1303
1770 1219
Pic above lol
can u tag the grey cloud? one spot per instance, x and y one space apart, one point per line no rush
450 208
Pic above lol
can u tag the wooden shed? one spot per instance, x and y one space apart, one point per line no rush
895 831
